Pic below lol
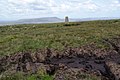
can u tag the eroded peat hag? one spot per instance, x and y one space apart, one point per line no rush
69 64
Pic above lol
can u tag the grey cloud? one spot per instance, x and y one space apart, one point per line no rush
36 8
14 4
75 1
34 4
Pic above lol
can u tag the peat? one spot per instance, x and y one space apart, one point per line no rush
88 59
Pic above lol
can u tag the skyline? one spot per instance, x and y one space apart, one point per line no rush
24 9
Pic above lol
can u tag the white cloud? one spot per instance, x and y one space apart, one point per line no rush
41 8
73 6
89 5
25 6
116 3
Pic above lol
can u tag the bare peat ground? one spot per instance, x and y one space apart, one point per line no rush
69 64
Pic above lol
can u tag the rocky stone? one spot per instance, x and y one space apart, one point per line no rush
114 70
39 57
73 74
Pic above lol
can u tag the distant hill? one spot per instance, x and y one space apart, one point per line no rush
33 21
40 20
91 19
50 20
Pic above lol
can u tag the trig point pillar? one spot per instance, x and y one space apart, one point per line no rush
66 19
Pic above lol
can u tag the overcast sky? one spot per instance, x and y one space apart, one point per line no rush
18 9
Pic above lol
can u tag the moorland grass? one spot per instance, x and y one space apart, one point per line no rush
17 38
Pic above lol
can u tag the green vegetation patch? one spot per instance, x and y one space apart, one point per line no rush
16 38
20 76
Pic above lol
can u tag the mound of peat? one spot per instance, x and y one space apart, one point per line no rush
86 59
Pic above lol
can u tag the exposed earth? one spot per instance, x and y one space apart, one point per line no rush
70 63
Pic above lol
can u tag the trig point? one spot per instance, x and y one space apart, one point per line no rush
66 19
